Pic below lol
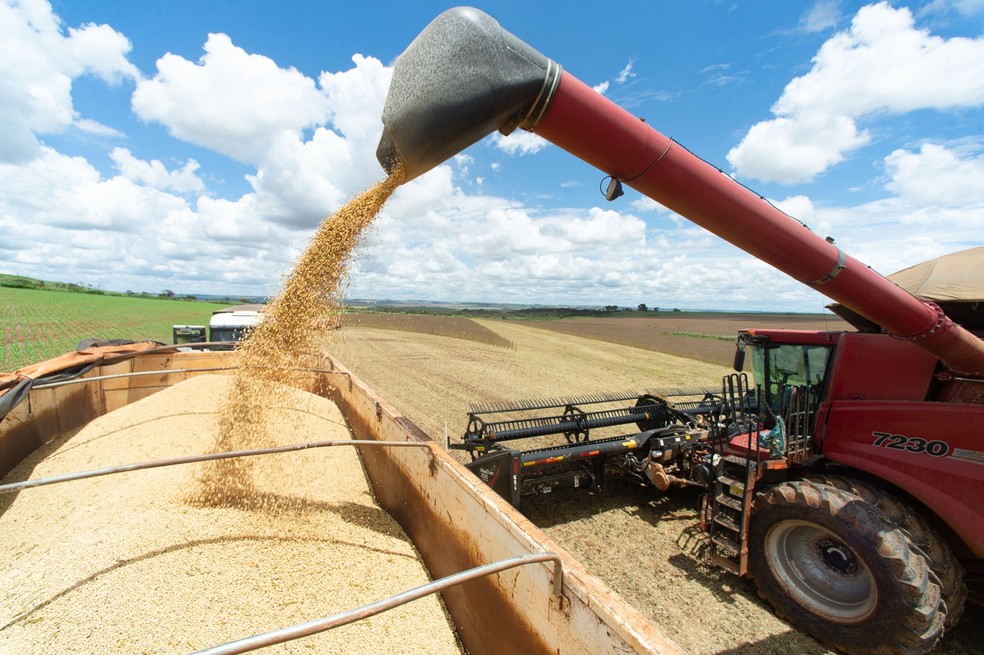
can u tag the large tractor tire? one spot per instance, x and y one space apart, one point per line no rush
840 570
944 565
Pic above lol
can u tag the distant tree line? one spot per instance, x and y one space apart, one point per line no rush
528 313
531 313
23 282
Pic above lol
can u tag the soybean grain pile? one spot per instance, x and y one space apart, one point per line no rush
122 564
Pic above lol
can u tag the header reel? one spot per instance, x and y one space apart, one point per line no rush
571 442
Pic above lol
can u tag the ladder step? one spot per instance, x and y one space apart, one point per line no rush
735 487
735 469
726 563
728 501
725 543
727 522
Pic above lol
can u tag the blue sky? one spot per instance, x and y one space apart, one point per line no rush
196 146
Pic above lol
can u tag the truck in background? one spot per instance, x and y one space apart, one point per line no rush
226 327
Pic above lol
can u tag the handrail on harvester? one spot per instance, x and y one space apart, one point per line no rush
343 618
465 77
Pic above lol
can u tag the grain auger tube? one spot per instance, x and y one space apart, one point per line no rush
828 486
465 77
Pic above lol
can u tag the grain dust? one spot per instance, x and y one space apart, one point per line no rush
287 339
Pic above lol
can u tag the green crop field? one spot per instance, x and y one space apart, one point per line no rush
38 324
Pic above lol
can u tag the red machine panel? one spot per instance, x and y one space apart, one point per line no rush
934 451
879 367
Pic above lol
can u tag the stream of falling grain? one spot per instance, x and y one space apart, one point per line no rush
293 327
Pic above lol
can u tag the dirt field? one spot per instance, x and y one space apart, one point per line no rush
442 326
645 547
704 337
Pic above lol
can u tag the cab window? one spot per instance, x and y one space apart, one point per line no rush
778 369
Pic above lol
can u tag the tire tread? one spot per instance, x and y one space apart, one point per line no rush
912 634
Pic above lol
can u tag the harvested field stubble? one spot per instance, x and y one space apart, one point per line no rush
703 337
121 564
447 375
442 326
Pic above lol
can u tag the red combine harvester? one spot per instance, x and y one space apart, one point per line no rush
845 478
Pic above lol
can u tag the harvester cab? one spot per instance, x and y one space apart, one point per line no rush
789 370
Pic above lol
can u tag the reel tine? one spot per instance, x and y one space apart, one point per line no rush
495 407
550 403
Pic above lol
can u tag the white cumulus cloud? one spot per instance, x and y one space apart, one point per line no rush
160 213
154 174
38 62
936 175
230 101
142 223
519 142
882 63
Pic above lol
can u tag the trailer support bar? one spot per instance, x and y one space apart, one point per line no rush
343 618
190 459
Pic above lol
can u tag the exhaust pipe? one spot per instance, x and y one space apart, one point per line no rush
461 79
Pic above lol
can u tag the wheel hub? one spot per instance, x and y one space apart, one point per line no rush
820 571
838 557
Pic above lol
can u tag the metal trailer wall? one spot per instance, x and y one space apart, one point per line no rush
454 520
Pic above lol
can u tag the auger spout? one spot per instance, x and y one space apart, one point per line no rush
461 79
